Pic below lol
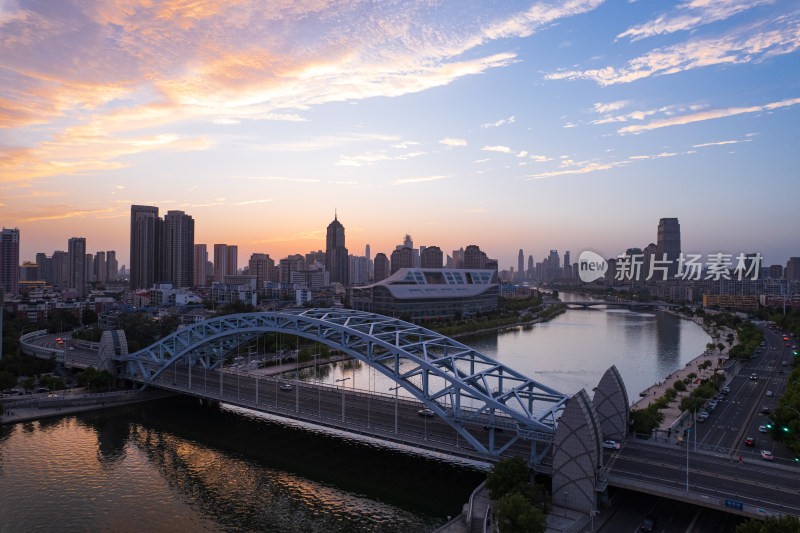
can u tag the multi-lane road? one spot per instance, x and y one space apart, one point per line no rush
716 469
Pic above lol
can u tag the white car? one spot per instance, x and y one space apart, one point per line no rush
762 429
286 386
426 412
769 393
611 444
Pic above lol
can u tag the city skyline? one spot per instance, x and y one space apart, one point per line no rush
527 125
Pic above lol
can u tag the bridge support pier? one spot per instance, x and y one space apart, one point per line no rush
577 456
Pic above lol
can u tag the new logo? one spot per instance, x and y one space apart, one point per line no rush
591 266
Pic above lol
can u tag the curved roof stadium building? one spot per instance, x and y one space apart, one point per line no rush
419 294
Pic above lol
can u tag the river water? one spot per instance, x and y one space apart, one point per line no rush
181 465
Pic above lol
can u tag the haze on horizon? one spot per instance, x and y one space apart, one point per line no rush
536 125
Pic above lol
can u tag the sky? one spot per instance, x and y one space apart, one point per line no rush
512 125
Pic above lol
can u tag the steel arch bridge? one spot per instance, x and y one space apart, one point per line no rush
464 387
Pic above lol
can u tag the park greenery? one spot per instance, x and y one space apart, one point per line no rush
519 506
772 524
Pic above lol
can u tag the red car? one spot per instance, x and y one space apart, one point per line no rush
749 441
766 455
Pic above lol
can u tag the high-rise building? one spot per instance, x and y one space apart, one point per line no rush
474 258
792 272
9 261
521 265
90 275
366 253
200 265
100 272
336 256
76 247
531 273
669 243
431 257
60 269
232 260
145 254
178 249
358 270
402 257
381 267
226 261
112 267
261 266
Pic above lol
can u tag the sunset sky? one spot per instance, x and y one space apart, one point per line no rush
508 124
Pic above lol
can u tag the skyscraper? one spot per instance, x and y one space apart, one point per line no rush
112 267
178 249
521 265
431 257
366 253
100 272
77 265
530 273
261 266
200 262
144 262
9 261
669 242
381 267
226 261
336 256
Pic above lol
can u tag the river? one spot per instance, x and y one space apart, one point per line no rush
185 465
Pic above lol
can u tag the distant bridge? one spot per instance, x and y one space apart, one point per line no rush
623 303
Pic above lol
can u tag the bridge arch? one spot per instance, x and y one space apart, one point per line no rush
465 388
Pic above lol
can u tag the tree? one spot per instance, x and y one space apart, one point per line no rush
772 524
28 383
515 514
88 316
721 347
679 385
508 475
7 380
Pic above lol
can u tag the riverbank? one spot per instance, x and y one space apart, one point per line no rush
536 320
672 413
36 409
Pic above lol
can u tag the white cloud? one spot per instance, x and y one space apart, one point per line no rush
509 120
504 149
708 115
690 15
450 141
744 45
421 179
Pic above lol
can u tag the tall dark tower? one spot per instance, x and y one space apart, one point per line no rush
669 242
521 265
178 249
336 259
144 242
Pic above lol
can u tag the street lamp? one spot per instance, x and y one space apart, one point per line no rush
342 381
395 407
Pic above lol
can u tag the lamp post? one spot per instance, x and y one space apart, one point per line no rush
687 460
342 381
395 407
319 393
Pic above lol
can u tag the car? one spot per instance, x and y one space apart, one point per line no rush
712 406
766 455
425 412
788 345
42 389
648 524
720 397
753 376
765 410
496 429
769 393
784 363
703 414
286 386
611 444
762 429
726 390
749 441
60 342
